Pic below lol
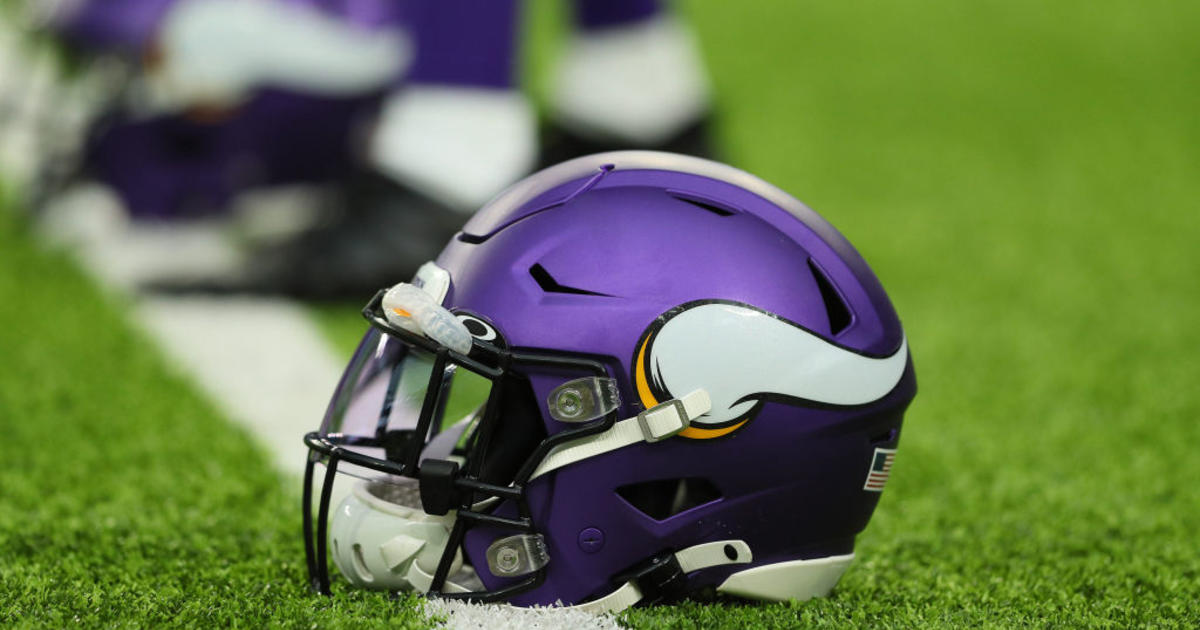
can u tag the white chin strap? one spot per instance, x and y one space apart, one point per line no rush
656 423
798 580
707 555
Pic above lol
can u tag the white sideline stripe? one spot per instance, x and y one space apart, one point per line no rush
261 360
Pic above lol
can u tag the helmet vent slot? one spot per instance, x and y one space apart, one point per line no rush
473 239
711 205
550 285
360 565
835 306
663 498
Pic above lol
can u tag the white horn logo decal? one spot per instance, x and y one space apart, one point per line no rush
743 357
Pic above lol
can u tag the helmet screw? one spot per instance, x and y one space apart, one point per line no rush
570 403
508 559
591 540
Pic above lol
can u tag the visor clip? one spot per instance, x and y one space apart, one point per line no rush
438 494
660 579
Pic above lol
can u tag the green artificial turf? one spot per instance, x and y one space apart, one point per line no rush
1023 176
125 500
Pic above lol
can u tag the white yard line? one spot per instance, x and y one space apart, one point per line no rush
262 361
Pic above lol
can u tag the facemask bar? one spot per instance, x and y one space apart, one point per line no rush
491 362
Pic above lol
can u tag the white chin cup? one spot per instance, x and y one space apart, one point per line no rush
385 545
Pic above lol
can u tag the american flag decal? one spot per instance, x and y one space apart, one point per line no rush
881 467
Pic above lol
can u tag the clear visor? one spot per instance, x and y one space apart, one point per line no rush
377 407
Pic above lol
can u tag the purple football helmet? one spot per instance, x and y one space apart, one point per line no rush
678 379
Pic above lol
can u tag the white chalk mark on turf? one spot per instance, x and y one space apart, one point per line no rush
458 615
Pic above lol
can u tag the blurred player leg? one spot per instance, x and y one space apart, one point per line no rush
126 26
459 130
452 135
631 77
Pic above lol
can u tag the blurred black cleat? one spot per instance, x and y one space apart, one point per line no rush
375 233
560 144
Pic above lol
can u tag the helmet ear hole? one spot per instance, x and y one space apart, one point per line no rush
518 433
663 498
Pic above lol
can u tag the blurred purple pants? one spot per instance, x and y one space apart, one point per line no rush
171 166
